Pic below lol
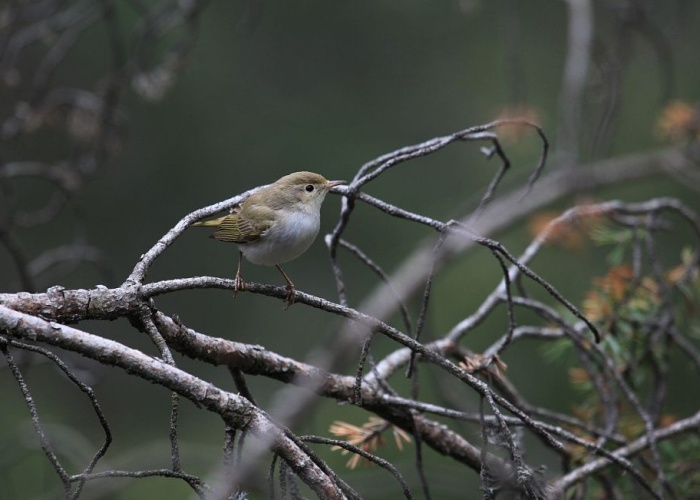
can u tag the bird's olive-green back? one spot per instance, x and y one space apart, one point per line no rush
249 220
245 224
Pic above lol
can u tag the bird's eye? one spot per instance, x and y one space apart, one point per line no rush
309 187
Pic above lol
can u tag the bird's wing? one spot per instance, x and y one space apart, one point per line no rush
244 226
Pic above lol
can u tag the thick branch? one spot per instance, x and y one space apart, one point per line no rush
237 411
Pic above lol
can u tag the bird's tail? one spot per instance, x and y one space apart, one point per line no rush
208 223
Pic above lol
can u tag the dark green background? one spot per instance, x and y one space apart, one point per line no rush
326 86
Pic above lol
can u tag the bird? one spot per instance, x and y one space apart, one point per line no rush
275 224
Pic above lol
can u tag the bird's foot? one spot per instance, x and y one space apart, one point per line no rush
289 299
238 284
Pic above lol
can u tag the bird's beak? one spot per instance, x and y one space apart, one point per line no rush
332 184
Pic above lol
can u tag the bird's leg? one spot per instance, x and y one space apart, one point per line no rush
239 283
290 288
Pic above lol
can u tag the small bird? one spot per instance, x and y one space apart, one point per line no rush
275 224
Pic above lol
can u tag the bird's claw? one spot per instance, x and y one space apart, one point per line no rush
238 284
289 299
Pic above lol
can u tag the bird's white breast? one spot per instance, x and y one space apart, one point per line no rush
286 240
